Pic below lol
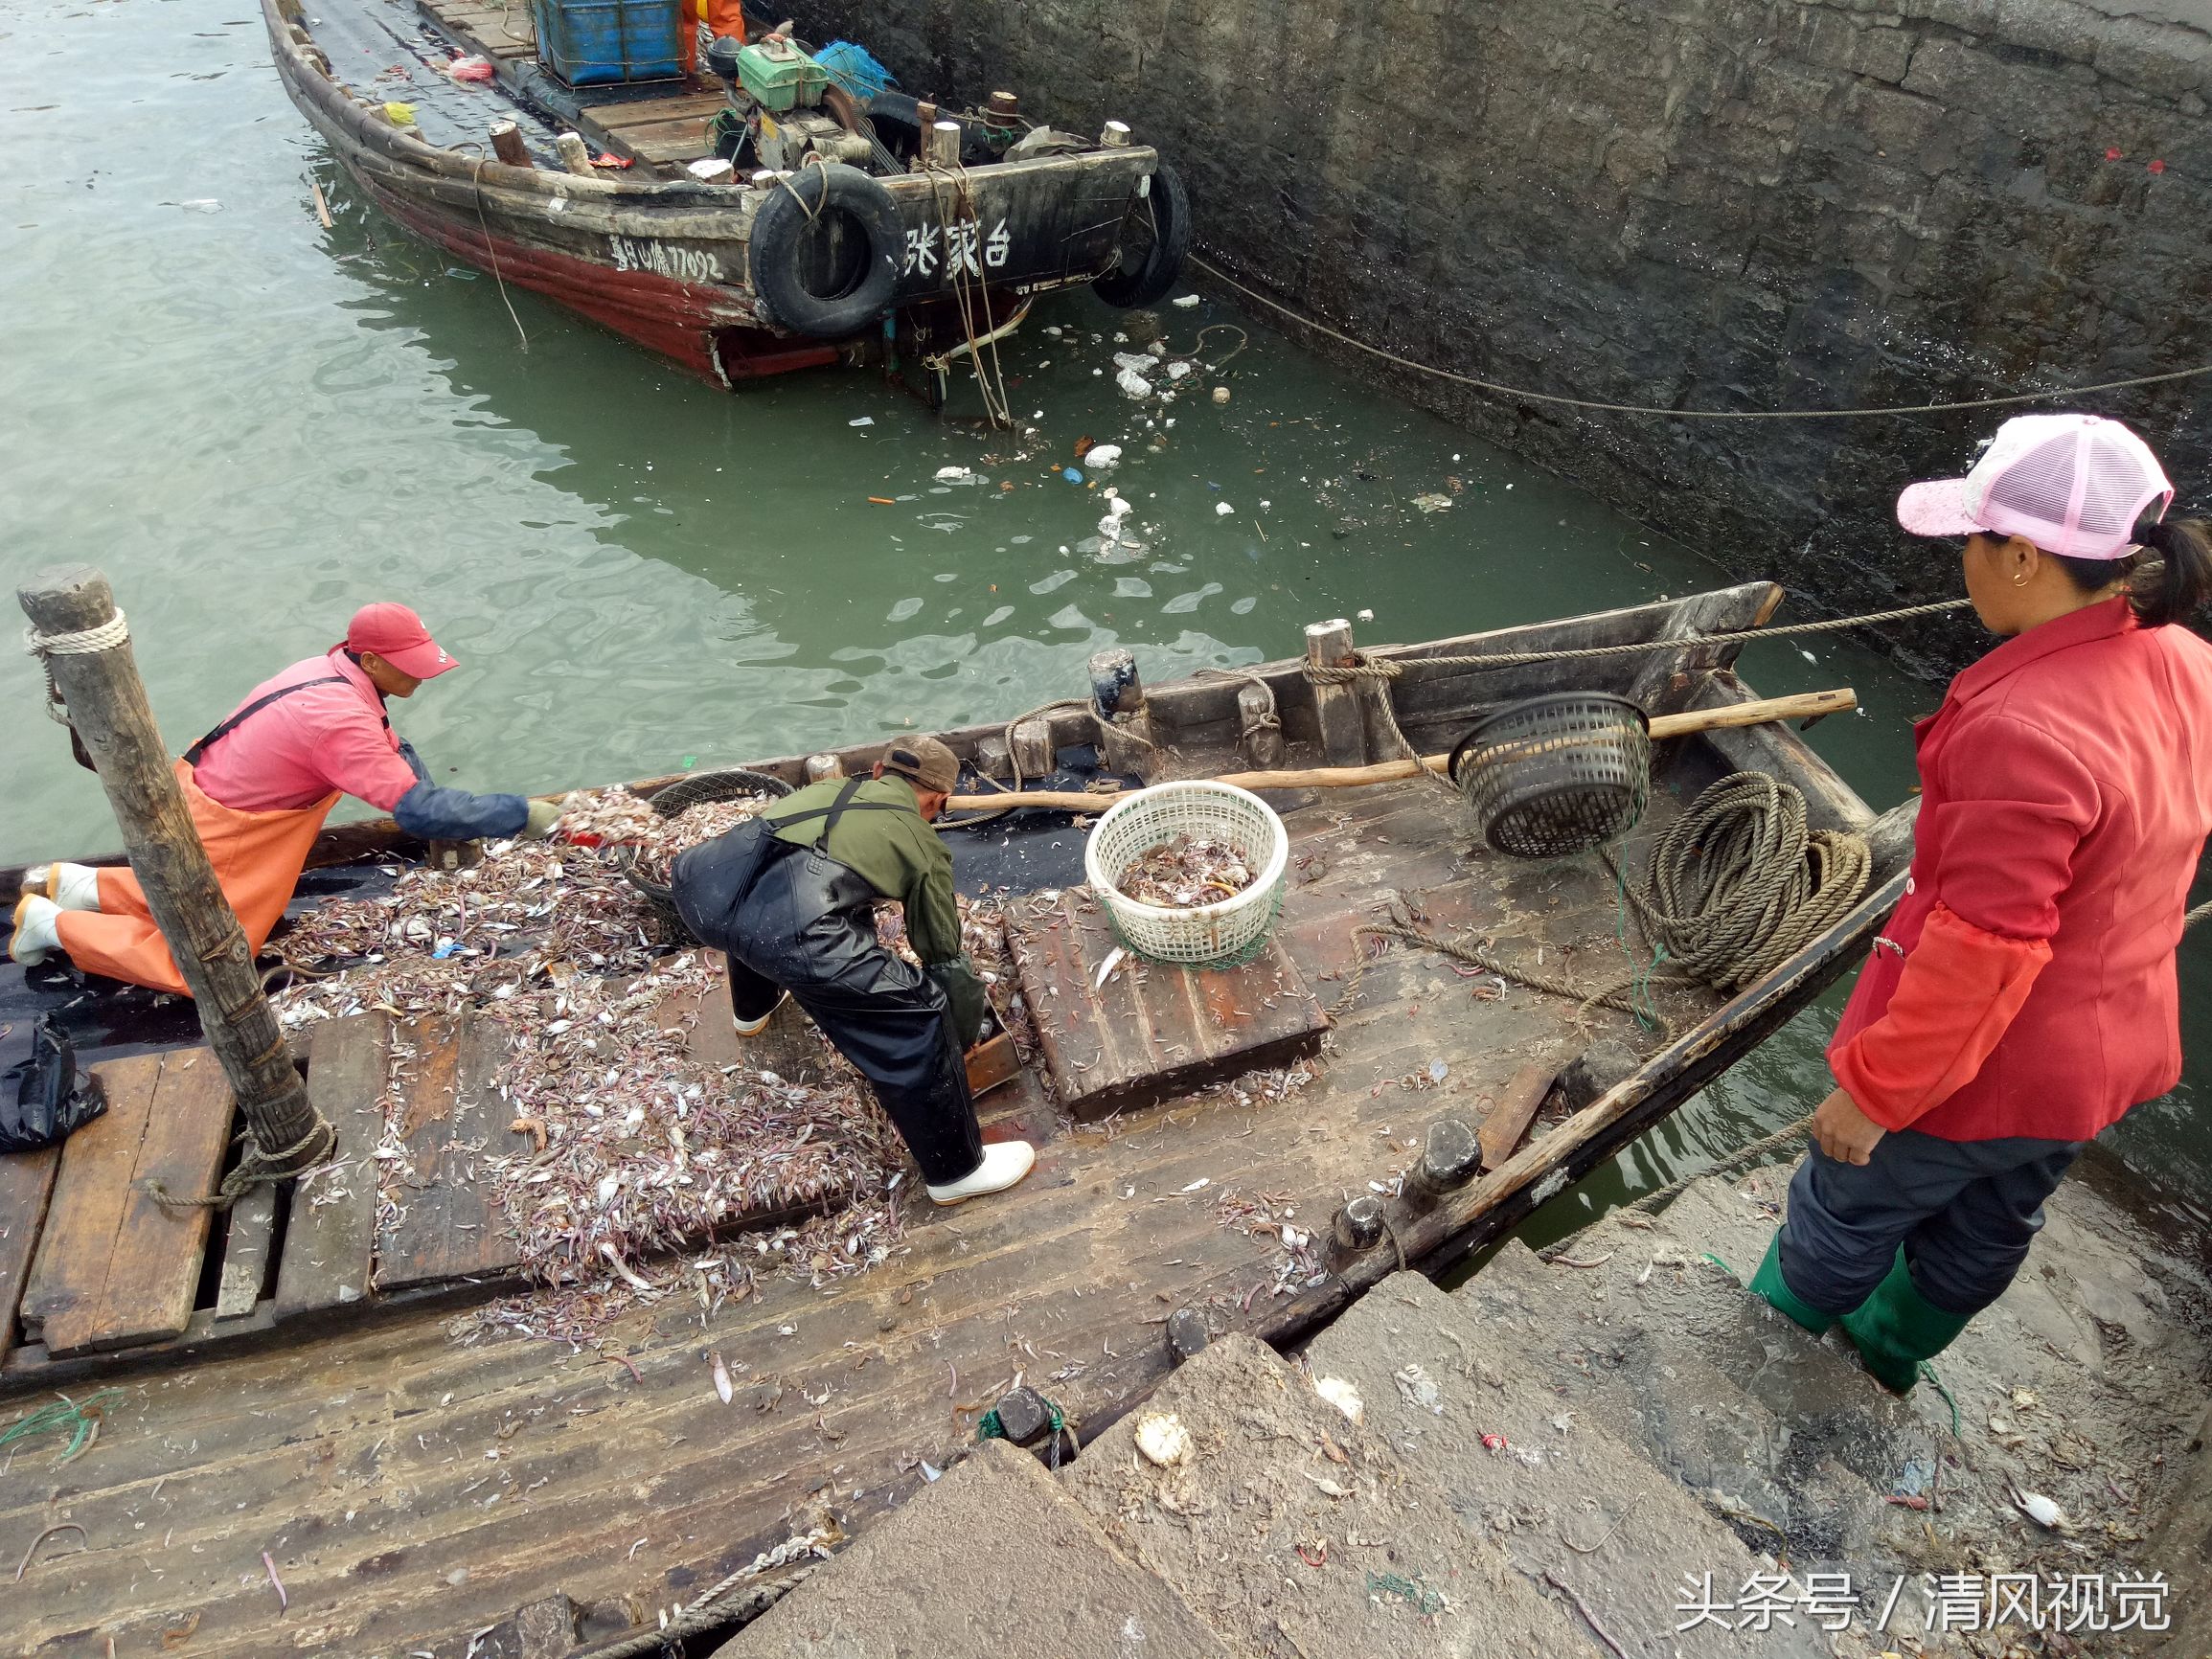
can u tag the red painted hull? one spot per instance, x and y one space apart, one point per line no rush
693 324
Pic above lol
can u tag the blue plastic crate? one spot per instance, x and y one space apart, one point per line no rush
599 42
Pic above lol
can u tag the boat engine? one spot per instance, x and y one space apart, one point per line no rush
784 106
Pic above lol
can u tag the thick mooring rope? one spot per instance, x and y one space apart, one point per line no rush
709 1612
1366 668
1522 395
1738 885
1735 887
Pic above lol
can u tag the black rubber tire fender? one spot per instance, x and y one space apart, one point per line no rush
772 258
1163 262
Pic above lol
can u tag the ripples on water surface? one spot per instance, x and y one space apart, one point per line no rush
254 425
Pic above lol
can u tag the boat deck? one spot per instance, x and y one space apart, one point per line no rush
412 1490
662 123
398 49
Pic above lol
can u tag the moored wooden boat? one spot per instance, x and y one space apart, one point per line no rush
841 246
634 1482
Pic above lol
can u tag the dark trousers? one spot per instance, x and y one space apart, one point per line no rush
808 926
1964 1211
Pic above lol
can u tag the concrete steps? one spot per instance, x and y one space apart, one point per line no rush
1570 1501
1297 1532
1788 1442
1547 1458
993 1560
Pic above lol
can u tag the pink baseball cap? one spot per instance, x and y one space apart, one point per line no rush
396 634
2074 485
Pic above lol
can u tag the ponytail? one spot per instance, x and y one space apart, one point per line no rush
2173 589
2166 580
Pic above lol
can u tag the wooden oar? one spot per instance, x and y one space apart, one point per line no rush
1805 705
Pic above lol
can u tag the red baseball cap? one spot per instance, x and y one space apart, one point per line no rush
396 634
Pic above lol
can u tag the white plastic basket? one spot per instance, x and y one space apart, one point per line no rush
1133 827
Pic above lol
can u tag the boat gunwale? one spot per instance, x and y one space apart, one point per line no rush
1195 704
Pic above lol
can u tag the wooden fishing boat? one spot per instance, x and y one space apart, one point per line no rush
310 1419
850 234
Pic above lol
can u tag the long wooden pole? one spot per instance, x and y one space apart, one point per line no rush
1804 705
107 706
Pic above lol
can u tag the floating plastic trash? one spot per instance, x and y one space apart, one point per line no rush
1073 474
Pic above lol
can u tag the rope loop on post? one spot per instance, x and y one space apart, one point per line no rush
1364 667
105 638
109 634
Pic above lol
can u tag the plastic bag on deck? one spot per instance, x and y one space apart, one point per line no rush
43 1096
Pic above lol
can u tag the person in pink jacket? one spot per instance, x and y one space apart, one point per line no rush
2023 996
258 787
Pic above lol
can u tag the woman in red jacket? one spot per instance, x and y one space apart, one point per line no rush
2022 998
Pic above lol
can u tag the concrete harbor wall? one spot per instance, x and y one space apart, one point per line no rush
1683 203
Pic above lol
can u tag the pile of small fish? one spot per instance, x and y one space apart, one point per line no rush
645 1145
1186 873
531 913
620 1144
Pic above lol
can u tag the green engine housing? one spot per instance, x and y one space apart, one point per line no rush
777 76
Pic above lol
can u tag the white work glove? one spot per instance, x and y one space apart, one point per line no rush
543 816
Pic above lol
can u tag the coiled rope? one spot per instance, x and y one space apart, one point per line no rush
1738 885
1735 887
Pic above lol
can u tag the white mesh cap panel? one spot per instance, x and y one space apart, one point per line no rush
2074 485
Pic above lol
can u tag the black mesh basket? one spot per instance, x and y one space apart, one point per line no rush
687 792
1556 775
723 785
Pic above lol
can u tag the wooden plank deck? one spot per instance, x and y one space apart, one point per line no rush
412 1490
26 1184
330 1246
115 1267
445 1226
1145 1032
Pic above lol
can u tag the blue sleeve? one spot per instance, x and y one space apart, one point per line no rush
414 761
434 814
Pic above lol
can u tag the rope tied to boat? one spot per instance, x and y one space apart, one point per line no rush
1364 667
1253 721
990 1426
83 643
708 1612
256 1168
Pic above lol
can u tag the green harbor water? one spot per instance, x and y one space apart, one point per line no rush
254 425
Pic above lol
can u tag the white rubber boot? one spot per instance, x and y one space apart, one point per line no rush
755 1027
73 886
34 939
1004 1163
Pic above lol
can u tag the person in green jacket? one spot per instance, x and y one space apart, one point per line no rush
790 899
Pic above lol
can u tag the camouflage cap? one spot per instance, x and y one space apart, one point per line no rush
925 761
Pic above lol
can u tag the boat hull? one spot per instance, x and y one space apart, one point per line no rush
666 263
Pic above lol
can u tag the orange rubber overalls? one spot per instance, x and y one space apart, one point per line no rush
258 857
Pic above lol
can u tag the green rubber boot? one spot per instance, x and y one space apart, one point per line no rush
1769 1283
1897 1327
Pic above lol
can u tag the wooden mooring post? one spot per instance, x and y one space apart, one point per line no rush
85 646
1125 722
